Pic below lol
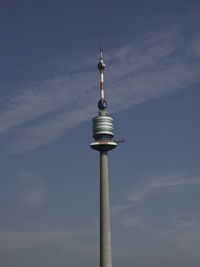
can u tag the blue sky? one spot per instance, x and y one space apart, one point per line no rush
49 89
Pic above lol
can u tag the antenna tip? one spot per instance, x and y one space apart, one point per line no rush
100 46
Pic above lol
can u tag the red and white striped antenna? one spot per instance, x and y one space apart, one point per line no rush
102 105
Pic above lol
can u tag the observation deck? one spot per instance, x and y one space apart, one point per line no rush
103 132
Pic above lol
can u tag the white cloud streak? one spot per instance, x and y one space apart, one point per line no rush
61 238
35 189
140 195
137 73
176 179
184 231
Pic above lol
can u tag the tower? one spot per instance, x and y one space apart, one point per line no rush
103 127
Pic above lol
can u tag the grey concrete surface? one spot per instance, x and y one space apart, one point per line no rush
105 235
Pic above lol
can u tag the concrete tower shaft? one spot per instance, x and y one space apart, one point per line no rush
105 236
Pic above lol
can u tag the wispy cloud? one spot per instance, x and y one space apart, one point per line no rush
175 179
25 239
127 210
156 65
35 189
132 221
184 231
